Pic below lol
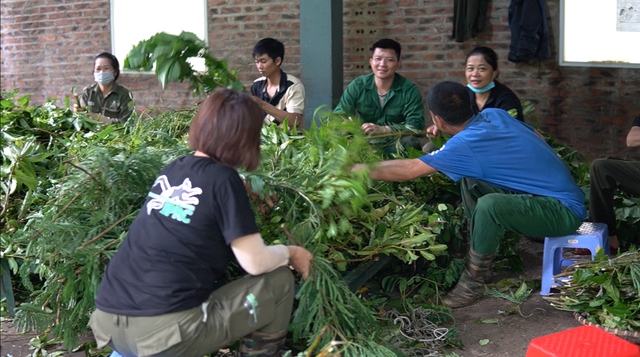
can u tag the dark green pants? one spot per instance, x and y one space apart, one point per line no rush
224 318
493 211
607 175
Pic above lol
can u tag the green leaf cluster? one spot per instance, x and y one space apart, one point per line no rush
343 218
607 290
170 54
97 178
88 183
518 297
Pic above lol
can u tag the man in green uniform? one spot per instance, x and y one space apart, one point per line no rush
385 100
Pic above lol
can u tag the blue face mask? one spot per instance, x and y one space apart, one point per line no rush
103 78
482 90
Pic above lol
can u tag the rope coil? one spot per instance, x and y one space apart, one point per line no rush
422 326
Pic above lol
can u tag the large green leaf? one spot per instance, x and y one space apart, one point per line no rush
170 54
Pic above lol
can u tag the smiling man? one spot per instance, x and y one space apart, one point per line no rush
280 95
384 100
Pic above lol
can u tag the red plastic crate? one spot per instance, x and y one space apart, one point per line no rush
583 341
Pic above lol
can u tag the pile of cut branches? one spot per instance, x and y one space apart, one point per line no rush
606 290
70 194
343 219
87 192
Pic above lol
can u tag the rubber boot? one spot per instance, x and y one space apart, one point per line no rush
488 276
260 344
470 287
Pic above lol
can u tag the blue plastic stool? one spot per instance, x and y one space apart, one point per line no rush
592 236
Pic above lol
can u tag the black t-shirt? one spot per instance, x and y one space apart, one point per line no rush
636 121
178 245
500 97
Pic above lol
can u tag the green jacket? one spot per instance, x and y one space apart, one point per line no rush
403 105
117 105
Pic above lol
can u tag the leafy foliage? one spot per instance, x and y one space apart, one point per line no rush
34 141
72 187
607 290
343 218
518 297
170 54
97 183
89 187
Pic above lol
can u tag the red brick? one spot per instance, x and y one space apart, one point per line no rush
93 13
57 15
48 38
256 26
231 10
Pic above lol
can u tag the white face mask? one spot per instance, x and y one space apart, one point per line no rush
103 77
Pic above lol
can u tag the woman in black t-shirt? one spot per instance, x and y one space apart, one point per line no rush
481 71
158 295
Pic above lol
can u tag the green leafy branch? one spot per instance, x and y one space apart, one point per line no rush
171 54
607 290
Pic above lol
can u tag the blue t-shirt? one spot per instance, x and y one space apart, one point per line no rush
496 148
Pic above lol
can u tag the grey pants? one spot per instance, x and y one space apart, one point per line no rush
253 303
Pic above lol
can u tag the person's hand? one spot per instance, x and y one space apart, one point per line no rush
77 109
300 260
358 167
370 128
432 131
269 200
100 118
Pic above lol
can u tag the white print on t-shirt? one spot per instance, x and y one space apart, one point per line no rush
176 202
437 151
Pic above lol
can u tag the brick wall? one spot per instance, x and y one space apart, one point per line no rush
48 46
236 25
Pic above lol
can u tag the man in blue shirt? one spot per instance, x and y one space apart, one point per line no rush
512 180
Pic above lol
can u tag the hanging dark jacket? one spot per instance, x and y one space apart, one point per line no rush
469 17
529 33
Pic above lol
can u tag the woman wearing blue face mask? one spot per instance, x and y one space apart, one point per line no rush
485 91
106 100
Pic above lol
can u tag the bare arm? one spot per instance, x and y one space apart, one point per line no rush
399 170
257 258
280 115
633 138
